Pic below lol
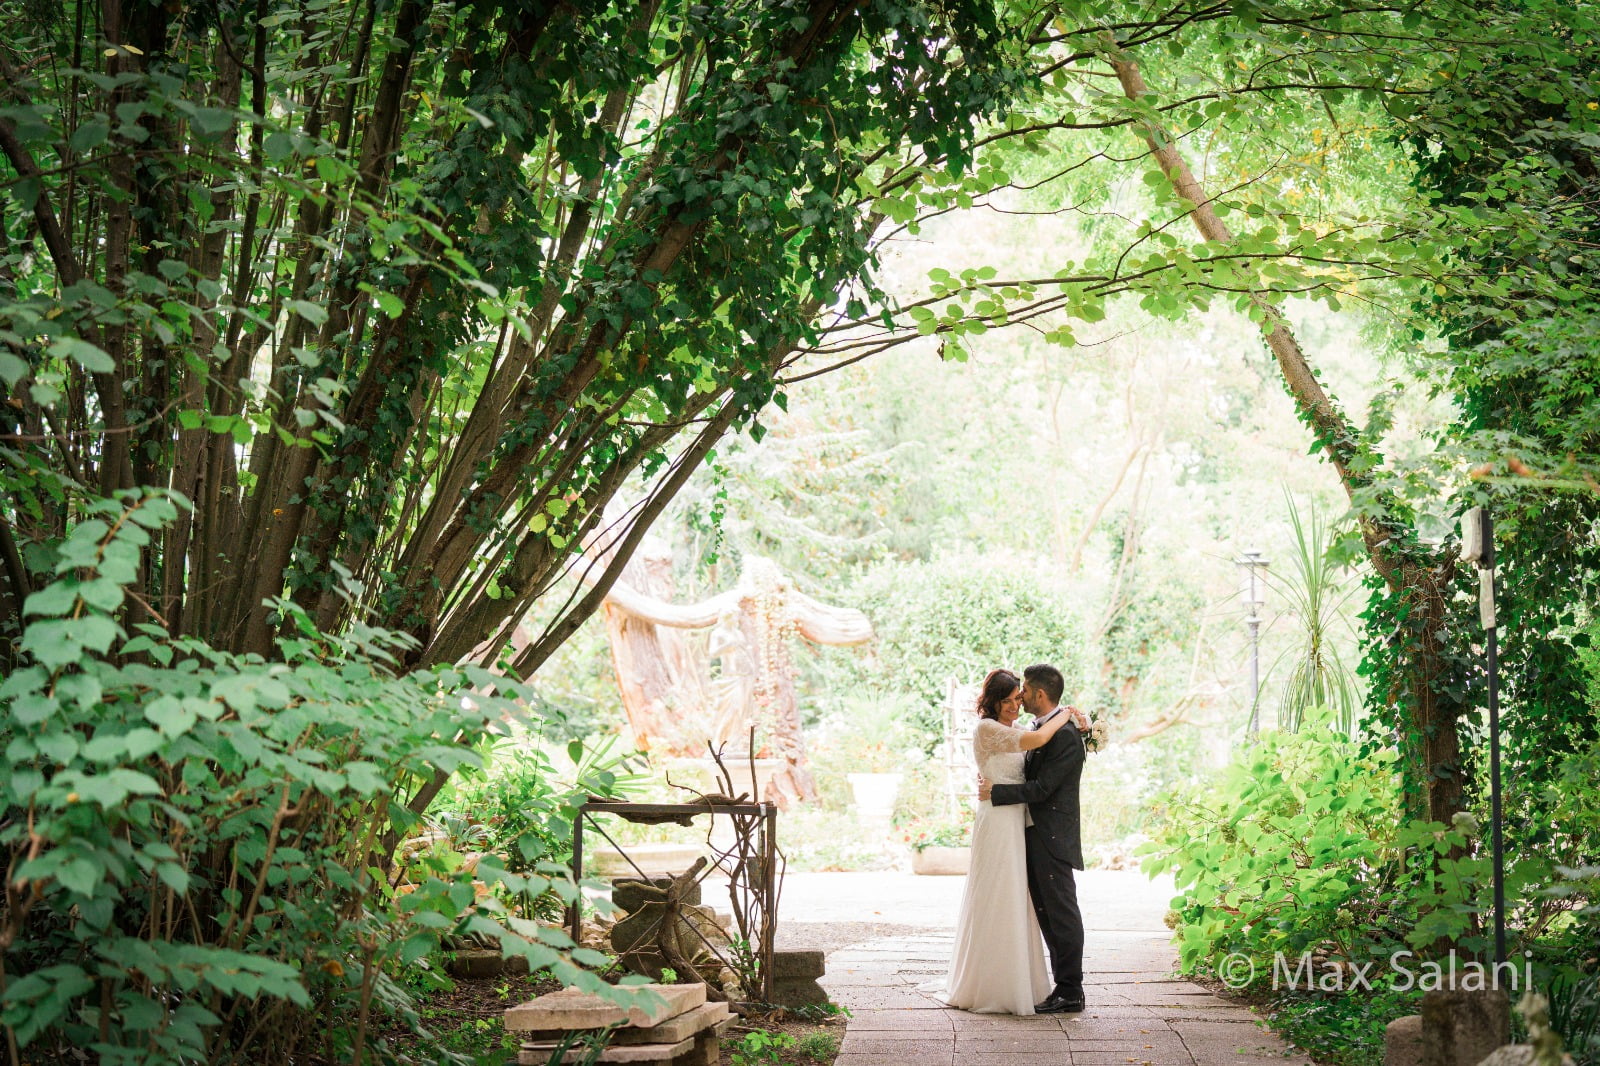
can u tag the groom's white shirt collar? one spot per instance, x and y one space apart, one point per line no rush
1042 719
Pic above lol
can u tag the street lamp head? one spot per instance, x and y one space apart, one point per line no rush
1253 586
1253 590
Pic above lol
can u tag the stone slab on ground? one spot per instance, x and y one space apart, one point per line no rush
571 1009
675 1029
540 1054
1138 1010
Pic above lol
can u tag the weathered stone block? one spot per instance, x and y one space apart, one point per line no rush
1462 1028
539 1054
471 964
707 1050
798 964
798 992
1402 1041
571 1009
676 1029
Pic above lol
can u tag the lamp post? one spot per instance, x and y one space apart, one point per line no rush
1253 590
1477 546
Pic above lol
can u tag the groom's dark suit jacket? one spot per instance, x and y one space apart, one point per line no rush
1051 793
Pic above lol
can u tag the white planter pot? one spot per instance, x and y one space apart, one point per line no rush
941 861
875 793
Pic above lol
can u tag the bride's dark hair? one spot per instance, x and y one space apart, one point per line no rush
999 685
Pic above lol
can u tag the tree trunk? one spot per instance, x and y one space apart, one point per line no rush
1432 747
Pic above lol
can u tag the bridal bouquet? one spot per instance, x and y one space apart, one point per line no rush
1097 737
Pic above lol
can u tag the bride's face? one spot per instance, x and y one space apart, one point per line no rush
1010 708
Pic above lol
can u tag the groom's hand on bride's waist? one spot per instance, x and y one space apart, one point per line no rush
983 790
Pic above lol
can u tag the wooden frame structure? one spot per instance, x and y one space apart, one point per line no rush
735 862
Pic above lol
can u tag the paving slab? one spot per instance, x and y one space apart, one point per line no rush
967 1022
943 1058
1139 1011
1158 1057
873 1044
904 1019
995 1041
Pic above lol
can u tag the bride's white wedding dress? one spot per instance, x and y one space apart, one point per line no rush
998 966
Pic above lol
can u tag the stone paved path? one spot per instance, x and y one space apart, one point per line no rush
1138 1013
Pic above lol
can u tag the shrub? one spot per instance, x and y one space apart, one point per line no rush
1281 852
962 618
198 843
1298 846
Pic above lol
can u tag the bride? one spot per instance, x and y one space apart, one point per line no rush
998 966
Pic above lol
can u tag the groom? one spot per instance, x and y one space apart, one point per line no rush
1054 850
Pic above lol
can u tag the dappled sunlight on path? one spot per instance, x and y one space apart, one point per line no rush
1138 1013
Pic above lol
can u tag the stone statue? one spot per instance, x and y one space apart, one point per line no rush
751 626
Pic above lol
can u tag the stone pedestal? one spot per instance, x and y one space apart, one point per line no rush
1455 1028
794 978
874 795
1462 1028
470 964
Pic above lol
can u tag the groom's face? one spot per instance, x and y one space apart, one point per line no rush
1033 698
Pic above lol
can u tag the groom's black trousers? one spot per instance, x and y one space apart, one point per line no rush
1055 901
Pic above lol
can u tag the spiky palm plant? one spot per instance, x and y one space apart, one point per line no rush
1316 593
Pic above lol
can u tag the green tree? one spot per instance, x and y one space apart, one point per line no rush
401 296
1507 154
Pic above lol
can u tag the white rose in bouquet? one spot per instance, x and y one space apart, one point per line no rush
1097 738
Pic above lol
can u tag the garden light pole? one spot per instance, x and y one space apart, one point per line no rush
1253 588
1477 546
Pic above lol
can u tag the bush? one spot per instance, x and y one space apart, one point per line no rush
523 807
962 618
1283 852
1299 847
199 843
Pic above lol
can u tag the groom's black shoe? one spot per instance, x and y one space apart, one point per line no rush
1057 1003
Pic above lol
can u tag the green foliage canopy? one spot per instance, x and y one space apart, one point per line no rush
401 296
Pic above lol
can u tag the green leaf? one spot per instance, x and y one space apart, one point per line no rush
315 314
33 708
89 136
54 600
52 643
173 876
12 369
211 120
171 715
91 357
79 875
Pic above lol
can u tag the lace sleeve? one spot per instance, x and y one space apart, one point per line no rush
992 738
